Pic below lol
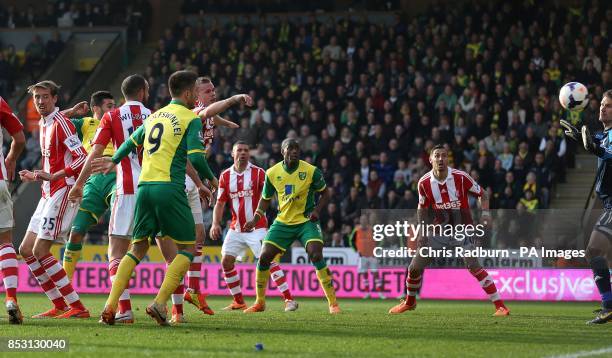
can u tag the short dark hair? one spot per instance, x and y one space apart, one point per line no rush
132 84
46 84
180 81
240 142
608 94
289 142
204 80
97 98
436 147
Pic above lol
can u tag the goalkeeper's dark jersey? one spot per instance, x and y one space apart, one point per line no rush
603 186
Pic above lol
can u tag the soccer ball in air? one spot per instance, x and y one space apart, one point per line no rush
574 96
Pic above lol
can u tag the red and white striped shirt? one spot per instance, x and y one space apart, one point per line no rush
61 148
448 197
117 125
242 191
11 123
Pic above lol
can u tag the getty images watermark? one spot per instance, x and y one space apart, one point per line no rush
454 241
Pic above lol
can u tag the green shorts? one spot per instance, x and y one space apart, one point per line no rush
97 196
163 208
283 235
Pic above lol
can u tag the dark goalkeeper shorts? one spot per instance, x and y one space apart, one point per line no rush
163 208
604 223
97 197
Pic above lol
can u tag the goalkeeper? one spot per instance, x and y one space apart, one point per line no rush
599 249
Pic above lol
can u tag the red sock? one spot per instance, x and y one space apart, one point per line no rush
488 286
232 279
46 283
413 284
177 299
280 280
58 276
193 275
8 267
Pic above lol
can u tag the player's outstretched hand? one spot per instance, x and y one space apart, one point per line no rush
250 225
205 194
243 99
78 110
76 194
42 175
570 130
215 232
587 140
27 176
102 165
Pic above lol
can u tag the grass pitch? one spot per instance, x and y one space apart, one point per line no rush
364 329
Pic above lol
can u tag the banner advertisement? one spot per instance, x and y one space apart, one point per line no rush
333 256
454 284
98 253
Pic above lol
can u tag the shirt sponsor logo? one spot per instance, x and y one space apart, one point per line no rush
241 194
450 205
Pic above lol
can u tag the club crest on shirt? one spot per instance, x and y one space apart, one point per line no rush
302 175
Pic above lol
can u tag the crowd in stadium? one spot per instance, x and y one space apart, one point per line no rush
368 100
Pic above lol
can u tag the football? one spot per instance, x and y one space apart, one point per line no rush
574 96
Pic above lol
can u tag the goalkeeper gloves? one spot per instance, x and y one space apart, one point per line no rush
587 140
570 130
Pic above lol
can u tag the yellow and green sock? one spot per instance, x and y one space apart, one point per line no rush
72 254
174 275
325 279
122 279
261 282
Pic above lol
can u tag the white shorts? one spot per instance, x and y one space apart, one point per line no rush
196 205
53 217
122 215
236 243
367 263
6 208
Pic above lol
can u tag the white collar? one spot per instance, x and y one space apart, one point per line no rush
249 165
47 120
448 175
132 103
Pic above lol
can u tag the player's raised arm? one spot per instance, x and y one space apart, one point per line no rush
221 106
220 121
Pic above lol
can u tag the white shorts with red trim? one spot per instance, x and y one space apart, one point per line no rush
53 217
6 208
122 215
236 243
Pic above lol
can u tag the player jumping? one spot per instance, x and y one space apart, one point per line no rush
295 183
63 156
600 243
440 190
241 185
8 256
169 137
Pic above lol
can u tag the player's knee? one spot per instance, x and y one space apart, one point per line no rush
76 237
593 252
414 271
598 263
266 257
40 251
315 256
25 250
228 263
